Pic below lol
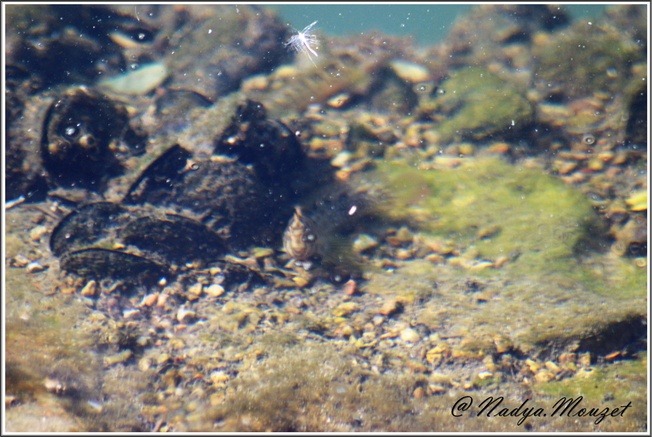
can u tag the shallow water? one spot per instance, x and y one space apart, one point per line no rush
427 24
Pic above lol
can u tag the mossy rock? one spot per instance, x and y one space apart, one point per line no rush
585 59
477 104
545 297
539 221
614 386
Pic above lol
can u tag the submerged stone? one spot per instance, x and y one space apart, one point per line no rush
476 104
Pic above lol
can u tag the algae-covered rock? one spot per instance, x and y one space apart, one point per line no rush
612 386
542 222
554 245
477 104
587 58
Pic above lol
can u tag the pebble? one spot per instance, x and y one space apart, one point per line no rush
341 159
436 389
409 335
162 298
364 242
552 367
35 267
390 307
144 364
118 358
53 385
300 281
544 375
585 359
485 375
137 82
90 289
19 261
345 308
196 289
36 233
162 359
185 315
131 312
532 365
409 71
350 287
219 376
215 290
567 357
149 300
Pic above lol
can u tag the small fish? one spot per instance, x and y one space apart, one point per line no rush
300 239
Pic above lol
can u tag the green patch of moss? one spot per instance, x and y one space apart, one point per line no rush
584 59
612 385
314 387
477 103
543 224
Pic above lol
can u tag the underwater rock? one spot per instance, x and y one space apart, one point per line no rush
73 44
137 82
222 45
489 34
583 60
477 104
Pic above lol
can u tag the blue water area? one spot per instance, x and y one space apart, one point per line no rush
426 23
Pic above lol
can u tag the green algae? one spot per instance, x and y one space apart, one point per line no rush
541 223
558 268
476 104
586 58
608 385
275 394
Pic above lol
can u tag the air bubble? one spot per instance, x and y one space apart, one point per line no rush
588 139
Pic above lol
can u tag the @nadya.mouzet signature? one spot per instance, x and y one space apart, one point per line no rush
569 407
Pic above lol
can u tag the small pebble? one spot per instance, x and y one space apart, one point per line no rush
346 308
162 298
185 315
350 288
162 359
34 267
214 290
196 289
419 393
341 159
90 289
544 375
436 389
118 358
53 385
364 242
485 375
552 367
19 261
410 71
585 359
36 233
149 300
409 335
390 307
131 312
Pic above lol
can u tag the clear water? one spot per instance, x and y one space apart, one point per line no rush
427 23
